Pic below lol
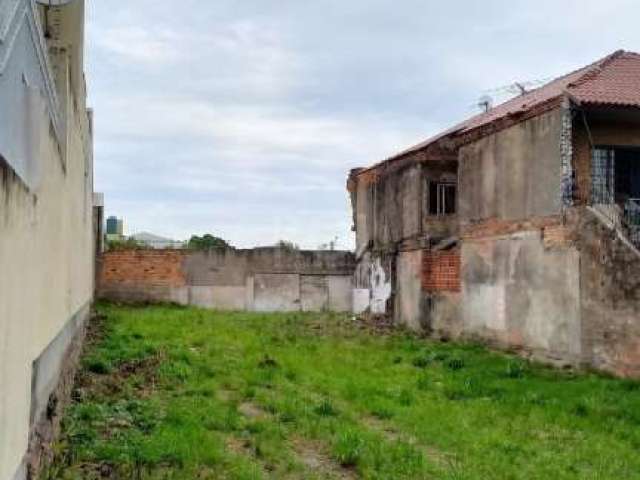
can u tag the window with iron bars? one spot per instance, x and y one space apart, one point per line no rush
603 176
442 198
615 183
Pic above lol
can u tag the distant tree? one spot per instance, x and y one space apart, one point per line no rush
206 242
126 244
287 245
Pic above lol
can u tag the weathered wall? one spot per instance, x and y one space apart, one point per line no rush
514 173
519 293
261 279
392 227
409 294
534 270
46 239
520 279
610 296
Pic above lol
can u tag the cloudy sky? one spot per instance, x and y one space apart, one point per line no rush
243 117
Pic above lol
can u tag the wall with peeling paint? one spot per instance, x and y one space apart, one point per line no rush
392 227
537 271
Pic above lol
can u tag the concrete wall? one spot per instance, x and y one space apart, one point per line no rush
262 279
393 226
518 293
610 300
514 173
538 273
46 227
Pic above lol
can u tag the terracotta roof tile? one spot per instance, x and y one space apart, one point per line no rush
615 83
612 80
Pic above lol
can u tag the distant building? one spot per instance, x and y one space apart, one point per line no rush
156 241
115 229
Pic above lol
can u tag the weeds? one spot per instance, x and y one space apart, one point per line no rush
168 392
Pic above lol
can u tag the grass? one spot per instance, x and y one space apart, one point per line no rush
180 393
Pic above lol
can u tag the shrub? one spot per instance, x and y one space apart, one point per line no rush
349 448
326 409
455 364
515 369
98 365
421 362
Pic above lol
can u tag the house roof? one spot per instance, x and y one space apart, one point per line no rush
613 80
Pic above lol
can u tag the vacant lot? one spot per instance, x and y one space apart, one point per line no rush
169 392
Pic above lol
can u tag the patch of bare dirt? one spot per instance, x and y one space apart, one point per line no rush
251 410
393 435
225 395
311 454
376 324
114 382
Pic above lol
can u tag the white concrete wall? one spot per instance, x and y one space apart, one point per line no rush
46 188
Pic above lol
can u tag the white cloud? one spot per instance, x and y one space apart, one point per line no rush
140 45
243 118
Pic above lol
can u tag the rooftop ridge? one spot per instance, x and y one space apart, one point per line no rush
550 91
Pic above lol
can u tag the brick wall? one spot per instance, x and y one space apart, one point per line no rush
143 267
441 271
259 279
558 236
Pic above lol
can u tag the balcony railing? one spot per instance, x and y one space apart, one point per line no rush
631 220
624 218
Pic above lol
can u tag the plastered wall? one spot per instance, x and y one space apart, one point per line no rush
46 231
513 174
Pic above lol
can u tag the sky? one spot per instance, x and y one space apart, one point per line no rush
242 118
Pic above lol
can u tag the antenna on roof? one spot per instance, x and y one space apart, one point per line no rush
521 87
485 103
518 88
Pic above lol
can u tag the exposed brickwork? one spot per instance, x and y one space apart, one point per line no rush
143 267
441 271
558 236
494 227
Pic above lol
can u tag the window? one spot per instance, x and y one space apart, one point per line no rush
615 175
442 198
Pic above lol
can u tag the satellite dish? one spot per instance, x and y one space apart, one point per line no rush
485 103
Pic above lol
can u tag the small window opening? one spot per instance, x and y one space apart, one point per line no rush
442 198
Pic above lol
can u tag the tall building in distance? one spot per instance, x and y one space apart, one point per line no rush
115 228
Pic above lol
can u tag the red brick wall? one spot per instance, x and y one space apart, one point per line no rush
441 271
143 267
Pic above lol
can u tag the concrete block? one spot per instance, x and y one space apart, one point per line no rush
340 293
314 293
219 298
276 292
360 300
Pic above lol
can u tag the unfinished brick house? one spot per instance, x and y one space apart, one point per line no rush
518 227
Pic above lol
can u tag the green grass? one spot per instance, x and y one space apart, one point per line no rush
181 393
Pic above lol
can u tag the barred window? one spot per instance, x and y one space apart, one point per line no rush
442 198
603 176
